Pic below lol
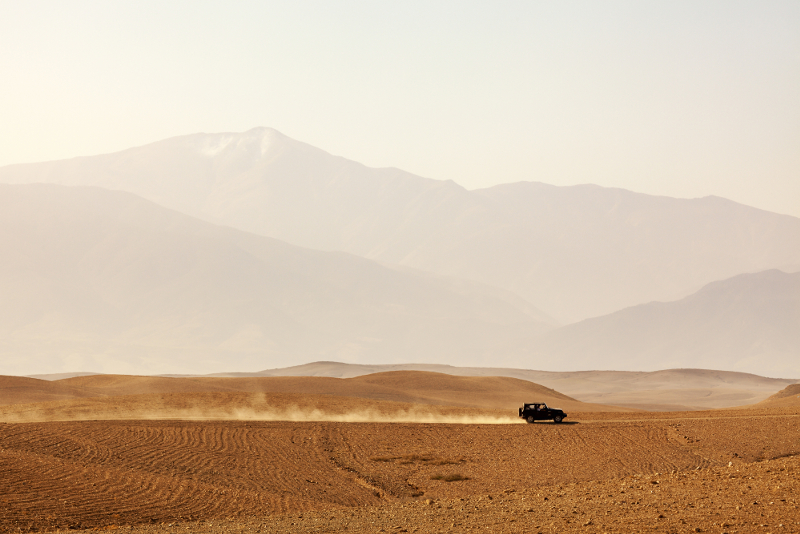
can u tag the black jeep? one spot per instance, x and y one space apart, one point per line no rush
537 411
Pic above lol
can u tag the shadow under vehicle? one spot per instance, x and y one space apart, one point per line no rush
538 411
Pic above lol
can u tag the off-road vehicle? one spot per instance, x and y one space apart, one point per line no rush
538 411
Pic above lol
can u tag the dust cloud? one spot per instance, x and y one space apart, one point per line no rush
255 410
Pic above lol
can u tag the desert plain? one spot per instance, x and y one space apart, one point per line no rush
404 451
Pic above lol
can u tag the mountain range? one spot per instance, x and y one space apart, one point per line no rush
574 252
225 252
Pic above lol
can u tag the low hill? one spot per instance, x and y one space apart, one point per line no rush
23 390
397 386
789 396
60 376
406 387
664 390
487 392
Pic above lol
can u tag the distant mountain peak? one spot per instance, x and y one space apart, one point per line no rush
256 141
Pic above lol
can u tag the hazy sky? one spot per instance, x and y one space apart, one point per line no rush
678 98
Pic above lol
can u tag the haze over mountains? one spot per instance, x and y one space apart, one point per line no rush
104 280
406 269
751 321
574 252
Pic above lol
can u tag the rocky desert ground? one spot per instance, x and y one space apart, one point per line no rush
395 456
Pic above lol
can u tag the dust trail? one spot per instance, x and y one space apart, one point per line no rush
253 409
292 415
372 416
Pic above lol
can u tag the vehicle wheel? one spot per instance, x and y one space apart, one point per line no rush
530 419
557 419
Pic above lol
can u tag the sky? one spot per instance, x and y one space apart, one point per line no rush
677 98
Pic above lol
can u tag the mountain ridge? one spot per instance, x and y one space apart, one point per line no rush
750 321
106 280
574 252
